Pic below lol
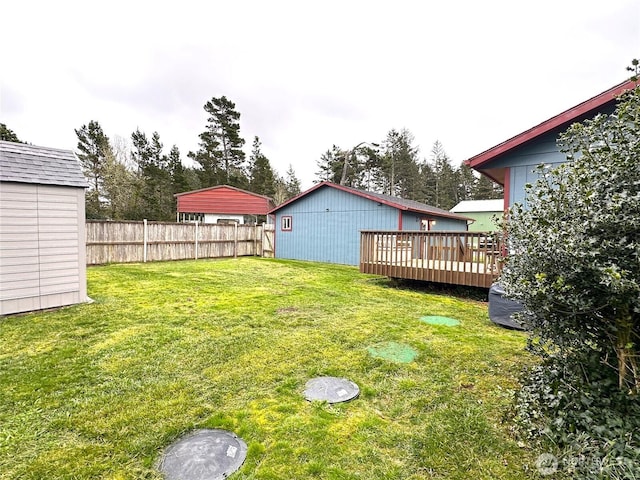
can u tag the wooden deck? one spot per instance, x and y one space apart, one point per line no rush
458 258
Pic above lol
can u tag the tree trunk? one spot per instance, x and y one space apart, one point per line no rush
627 355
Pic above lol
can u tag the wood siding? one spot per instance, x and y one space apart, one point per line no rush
326 225
223 200
458 258
42 251
520 162
128 242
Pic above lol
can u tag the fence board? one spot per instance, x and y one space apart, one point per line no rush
126 242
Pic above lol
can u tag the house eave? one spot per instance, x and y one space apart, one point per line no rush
373 198
561 120
217 187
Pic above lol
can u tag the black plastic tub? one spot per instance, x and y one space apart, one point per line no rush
501 309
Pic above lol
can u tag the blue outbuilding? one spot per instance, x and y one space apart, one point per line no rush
323 224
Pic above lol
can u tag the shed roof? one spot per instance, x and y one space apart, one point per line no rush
468 206
223 199
390 200
24 163
561 121
222 187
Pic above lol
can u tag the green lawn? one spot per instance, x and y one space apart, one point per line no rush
98 390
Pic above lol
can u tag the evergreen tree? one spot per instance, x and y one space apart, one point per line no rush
355 166
397 172
366 162
209 172
192 179
141 154
292 184
156 195
487 189
8 135
446 179
93 151
180 181
220 154
428 181
330 165
262 178
466 182
287 187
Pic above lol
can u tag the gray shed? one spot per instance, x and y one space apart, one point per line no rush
42 228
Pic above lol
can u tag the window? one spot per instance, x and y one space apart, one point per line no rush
285 224
192 217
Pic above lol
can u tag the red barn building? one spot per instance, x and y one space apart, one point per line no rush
223 204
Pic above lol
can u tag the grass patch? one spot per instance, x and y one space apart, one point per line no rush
98 390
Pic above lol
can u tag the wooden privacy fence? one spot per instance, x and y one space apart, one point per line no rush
128 241
459 258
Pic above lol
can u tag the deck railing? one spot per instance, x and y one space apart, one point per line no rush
460 258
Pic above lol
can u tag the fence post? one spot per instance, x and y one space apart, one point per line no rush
235 240
196 239
145 238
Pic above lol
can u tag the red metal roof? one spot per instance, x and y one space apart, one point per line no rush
223 199
395 202
563 119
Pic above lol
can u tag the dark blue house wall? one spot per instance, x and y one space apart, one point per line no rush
326 225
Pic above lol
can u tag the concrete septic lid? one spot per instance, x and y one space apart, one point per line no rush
437 320
203 455
396 352
331 389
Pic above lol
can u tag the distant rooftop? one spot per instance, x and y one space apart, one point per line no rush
469 206
24 163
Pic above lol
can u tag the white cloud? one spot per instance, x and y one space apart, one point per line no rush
306 76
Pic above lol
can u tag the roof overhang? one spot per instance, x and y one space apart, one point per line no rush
222 187
374 198
481 161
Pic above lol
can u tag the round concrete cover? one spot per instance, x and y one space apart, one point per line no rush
204 455
331 389
438 320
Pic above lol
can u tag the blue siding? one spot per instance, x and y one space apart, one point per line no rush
326 225
520 176
449 225
523 160
411 221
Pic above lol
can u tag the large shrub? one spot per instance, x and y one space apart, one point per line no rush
574 264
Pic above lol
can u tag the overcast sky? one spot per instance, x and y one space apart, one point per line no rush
307 75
